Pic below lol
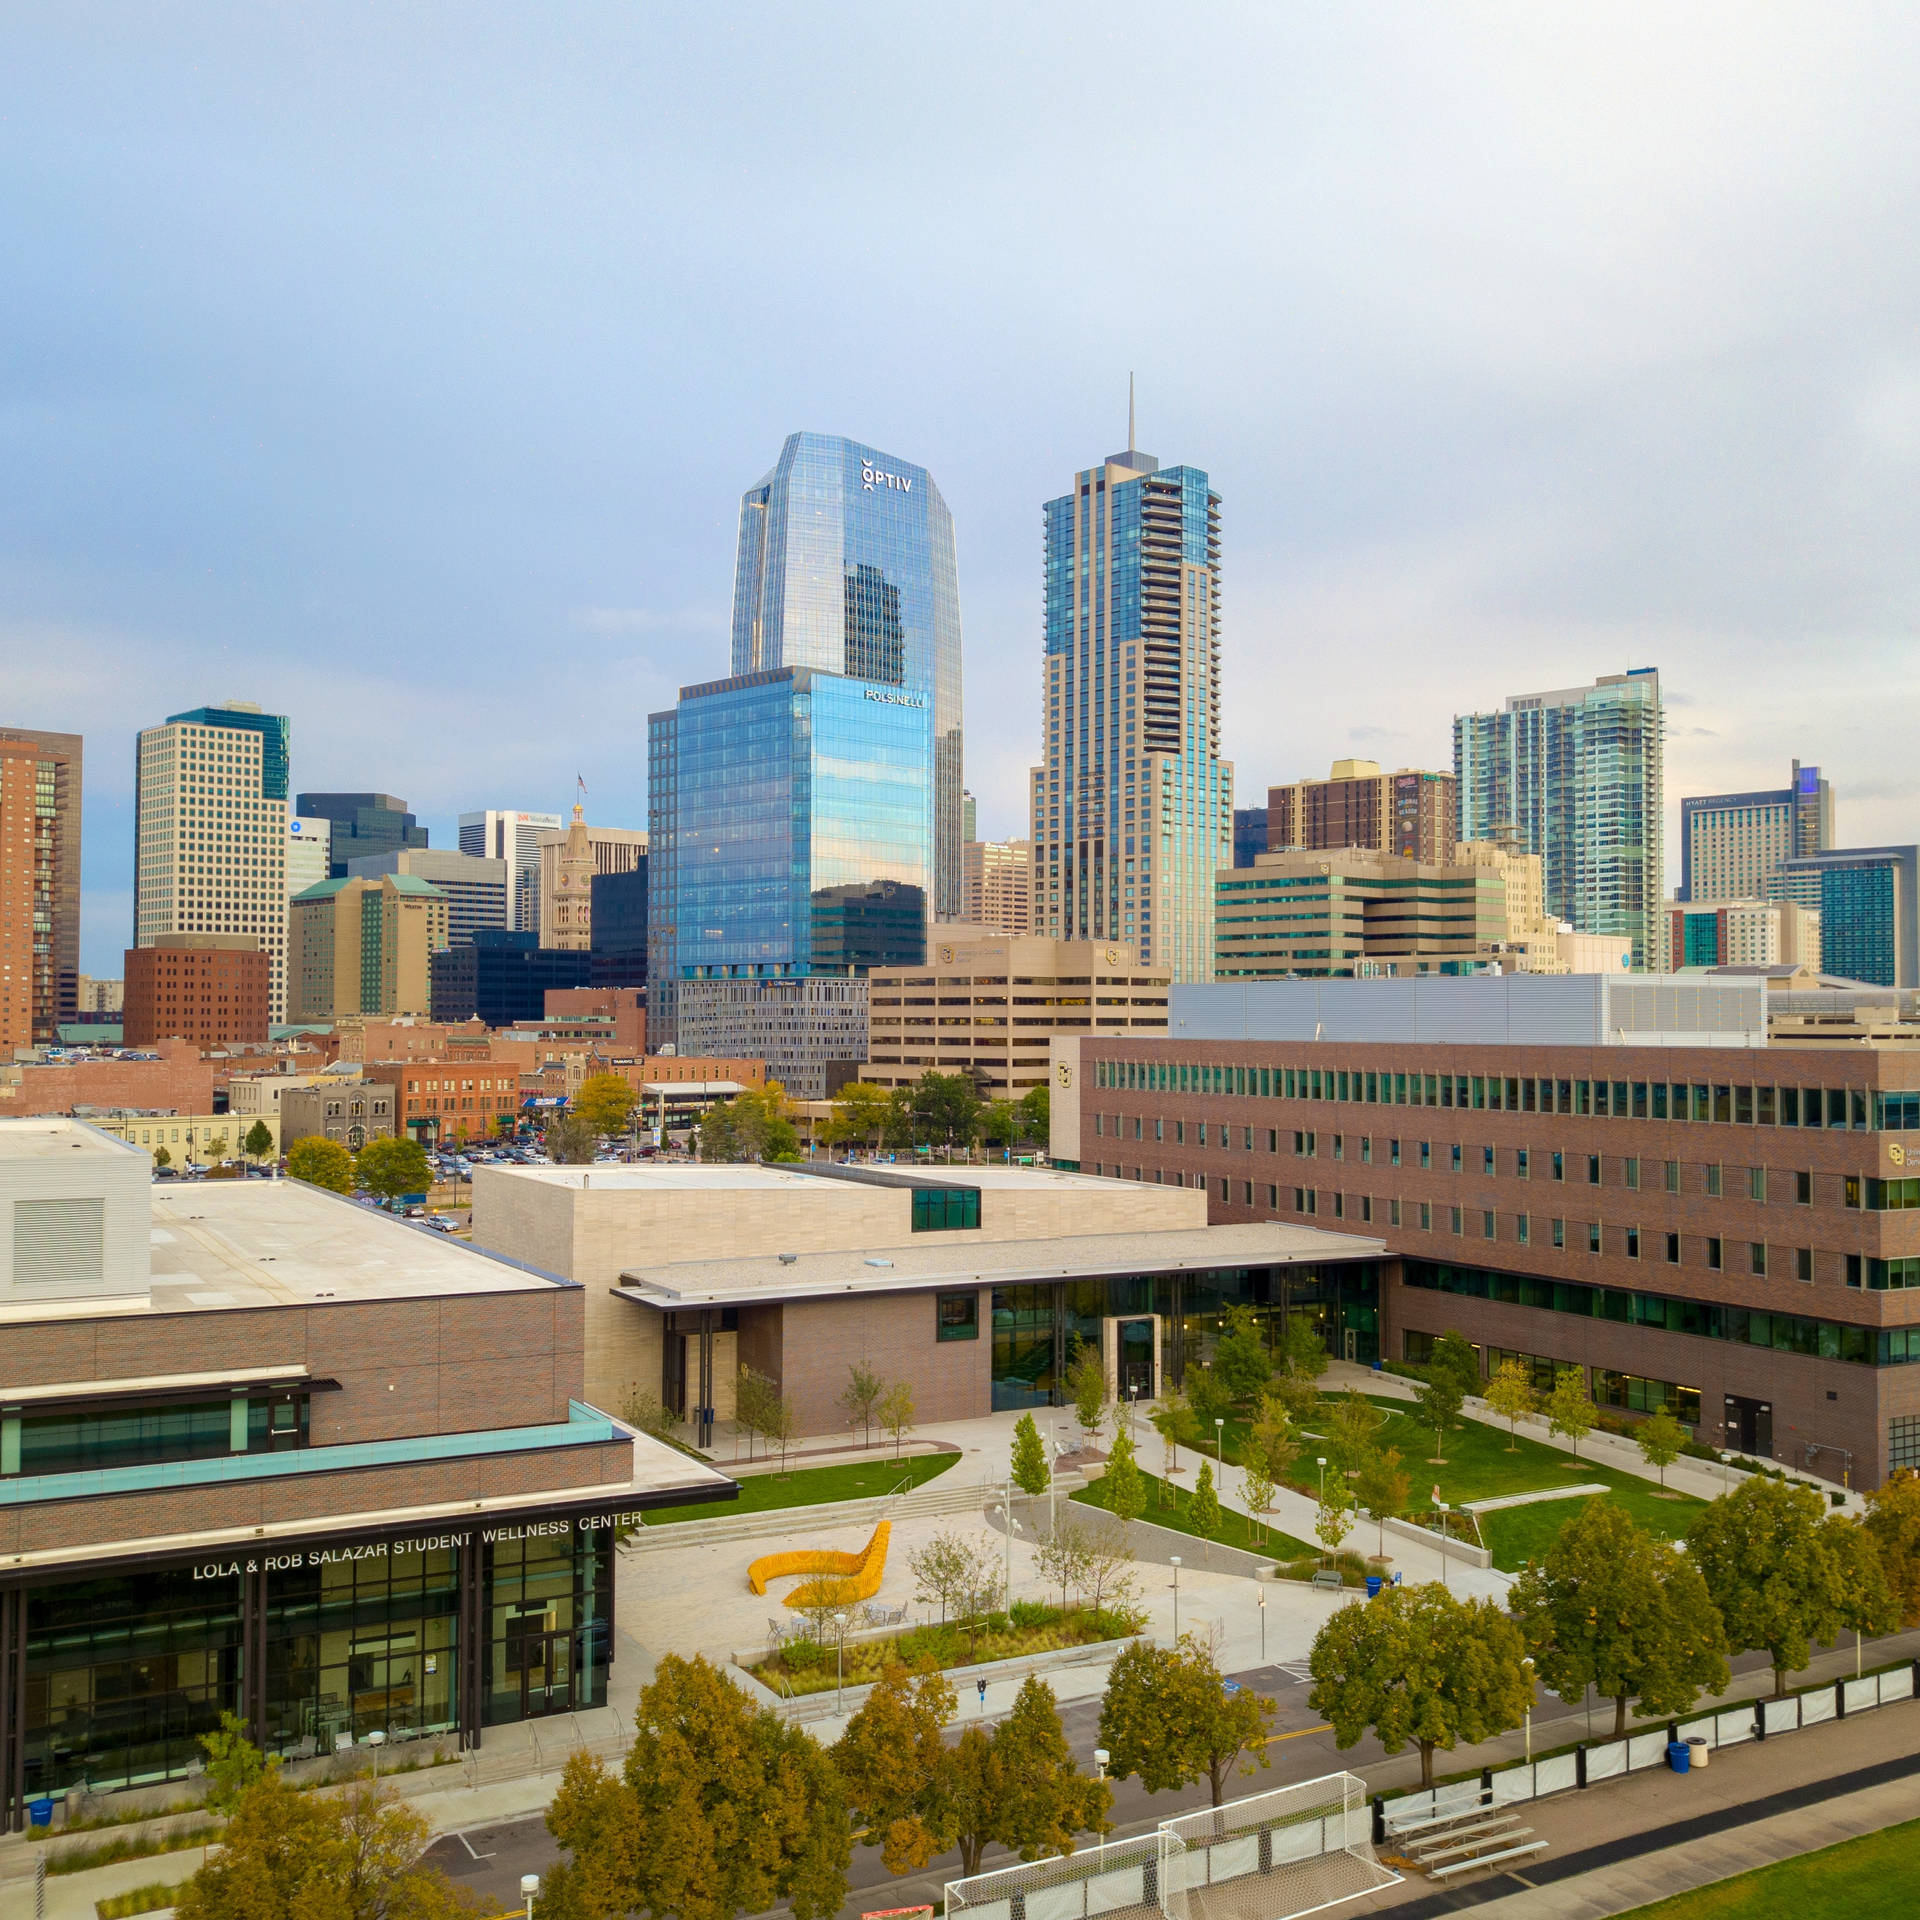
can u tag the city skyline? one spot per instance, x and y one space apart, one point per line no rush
1477 417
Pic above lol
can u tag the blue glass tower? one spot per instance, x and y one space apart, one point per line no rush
846 565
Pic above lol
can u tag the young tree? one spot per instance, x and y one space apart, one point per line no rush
217 1149
1126 1489
1203 1510
957 1573
1272 1439
1416 1665
1064 1556
1108 1579
1439 1396
234 1764
1087 1386
893 1760
390 1166
1030 1471
604 1102
716 1137
257 1142
753 1395
1299 1398
1893 1519
1176 1424
1611 1607
1777 1567
1510 1394
860 1399
162 1158
1036 1113
1257 1493
650 1414
1333 1517
1240 1357
1570 1410
571 1140
721 1809
320 1163
1207 1395
1382 1489
1354 1429
1306 1351
895 1414
1018 1787
1453 1354
778 1422
1660 1438
1168 1719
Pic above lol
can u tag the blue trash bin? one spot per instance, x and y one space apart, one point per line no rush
40 1812
1373 1586
1679 1756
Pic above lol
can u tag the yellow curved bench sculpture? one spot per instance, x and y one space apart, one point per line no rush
840 1579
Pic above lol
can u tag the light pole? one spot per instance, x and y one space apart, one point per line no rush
1322 1458
839 1661
1219 1441
1100 1758
529 1886
376 1740
1527 1662
1440 1507
1261 1597
1176 1598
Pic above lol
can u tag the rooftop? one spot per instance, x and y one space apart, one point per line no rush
770 1277
653 1176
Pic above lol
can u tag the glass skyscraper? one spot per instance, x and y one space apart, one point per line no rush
1133 810
1576 777
1869 901
846 565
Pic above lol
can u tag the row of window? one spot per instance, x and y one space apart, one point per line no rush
88 1439
1854 1108
1630 1392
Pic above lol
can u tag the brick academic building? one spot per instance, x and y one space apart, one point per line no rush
266 1452
1722 1229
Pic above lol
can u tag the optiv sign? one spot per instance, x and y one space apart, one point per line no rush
872 476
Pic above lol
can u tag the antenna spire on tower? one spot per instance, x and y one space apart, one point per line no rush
1131 441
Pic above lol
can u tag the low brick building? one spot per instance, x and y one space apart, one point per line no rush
210 988
266 1452
351 1112
173 1080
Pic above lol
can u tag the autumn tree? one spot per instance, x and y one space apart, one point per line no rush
257 1142
1176 1424
1124 1485
1087 1385
895 1414
892 1761
320 1163
604 1102
1570 1410
1778 1567
1893 1520
1273 1439
1018 1787
1333 1517
1168 1718
1029 1467
860 1399
721 1809
391 1166
1613 1608
1383 1489
1257 1493
1352 1431
1510 1394
1418 1667
859 1115
1661 1439
1203 1510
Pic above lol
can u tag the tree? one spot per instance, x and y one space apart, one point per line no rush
1570 1410
234 1763
390 1167
1272 1439
946 1110
752 1126
320 1163
1306 1351
1208 1396
1333 1517
1203 1510
893 1761
1453 1354
1661 1439
752 1395
1168 1718
1019 1787
1418 1666
959 1575
1298 1397
859 1115
1355 1427
860 1398
1777 1568
1510 1394
1439 1396
1126 1489
1064 1556
1000 1123
357 1855
571 1140
650 1414
217 1149
1108 1578
1613 1608
1036 1113
1240 1357
604 1102
1257 1492
1893 1519
1087 1385
257 1142
162 1158
778 1422
895 1413
1383 1489
721 1809
1029 1466
1176 1424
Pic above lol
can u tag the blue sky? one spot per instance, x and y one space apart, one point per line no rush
400 368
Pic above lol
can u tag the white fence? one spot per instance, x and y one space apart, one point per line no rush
1587 1766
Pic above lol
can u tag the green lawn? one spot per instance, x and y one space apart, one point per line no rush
815 1486
1876 1877
1234 1527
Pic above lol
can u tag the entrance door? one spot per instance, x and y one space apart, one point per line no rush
1352 1344
541 1659
1750 1426
1136 1360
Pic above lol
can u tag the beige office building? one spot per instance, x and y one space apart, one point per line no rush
362 946
990 1006
1409 812
568 862
997 884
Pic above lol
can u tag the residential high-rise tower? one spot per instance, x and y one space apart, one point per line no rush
39 965
1575 776
1732 845
210 831
1133 809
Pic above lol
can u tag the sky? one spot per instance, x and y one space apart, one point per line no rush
400 368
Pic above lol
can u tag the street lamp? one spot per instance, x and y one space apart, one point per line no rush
1220 1440
1261 1598
839 1660
1440 1507
529 1886
1322 1458
1527 1662
1176 1596
376 1740
1100 1758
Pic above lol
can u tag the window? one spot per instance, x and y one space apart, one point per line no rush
1637 1395
1713 1252
1179 1133
1633 1243
1273 1139
1366 1149
1454 1213
1313 1200
1803 1263
1273 1198
1393 1153
1203 1134
1486 1162
945 1209
1756 1183
1631 1173
1903 1441
1426 1216
1366 1207
1453 1164
1593 1236
1486 1224
1339 1206
1339 1146
1520 1228
1520 1163
1559 1166
1593 1169
1713 1180
1560 1233
1673 1176
1803 1188
1757 1257
1673 1249
1225 1196
956 1316
1426 1155
1393 1213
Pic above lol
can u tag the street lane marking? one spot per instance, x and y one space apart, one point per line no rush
1298 1733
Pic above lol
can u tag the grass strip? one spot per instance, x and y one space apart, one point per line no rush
1876 1877
1168 1506
152 1898
106 1853
814 1487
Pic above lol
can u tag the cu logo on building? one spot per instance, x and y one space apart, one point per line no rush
946 956
1113 956
1897 1154
1065 1074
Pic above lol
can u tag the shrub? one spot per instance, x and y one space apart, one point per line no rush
802 1656
1033 1613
